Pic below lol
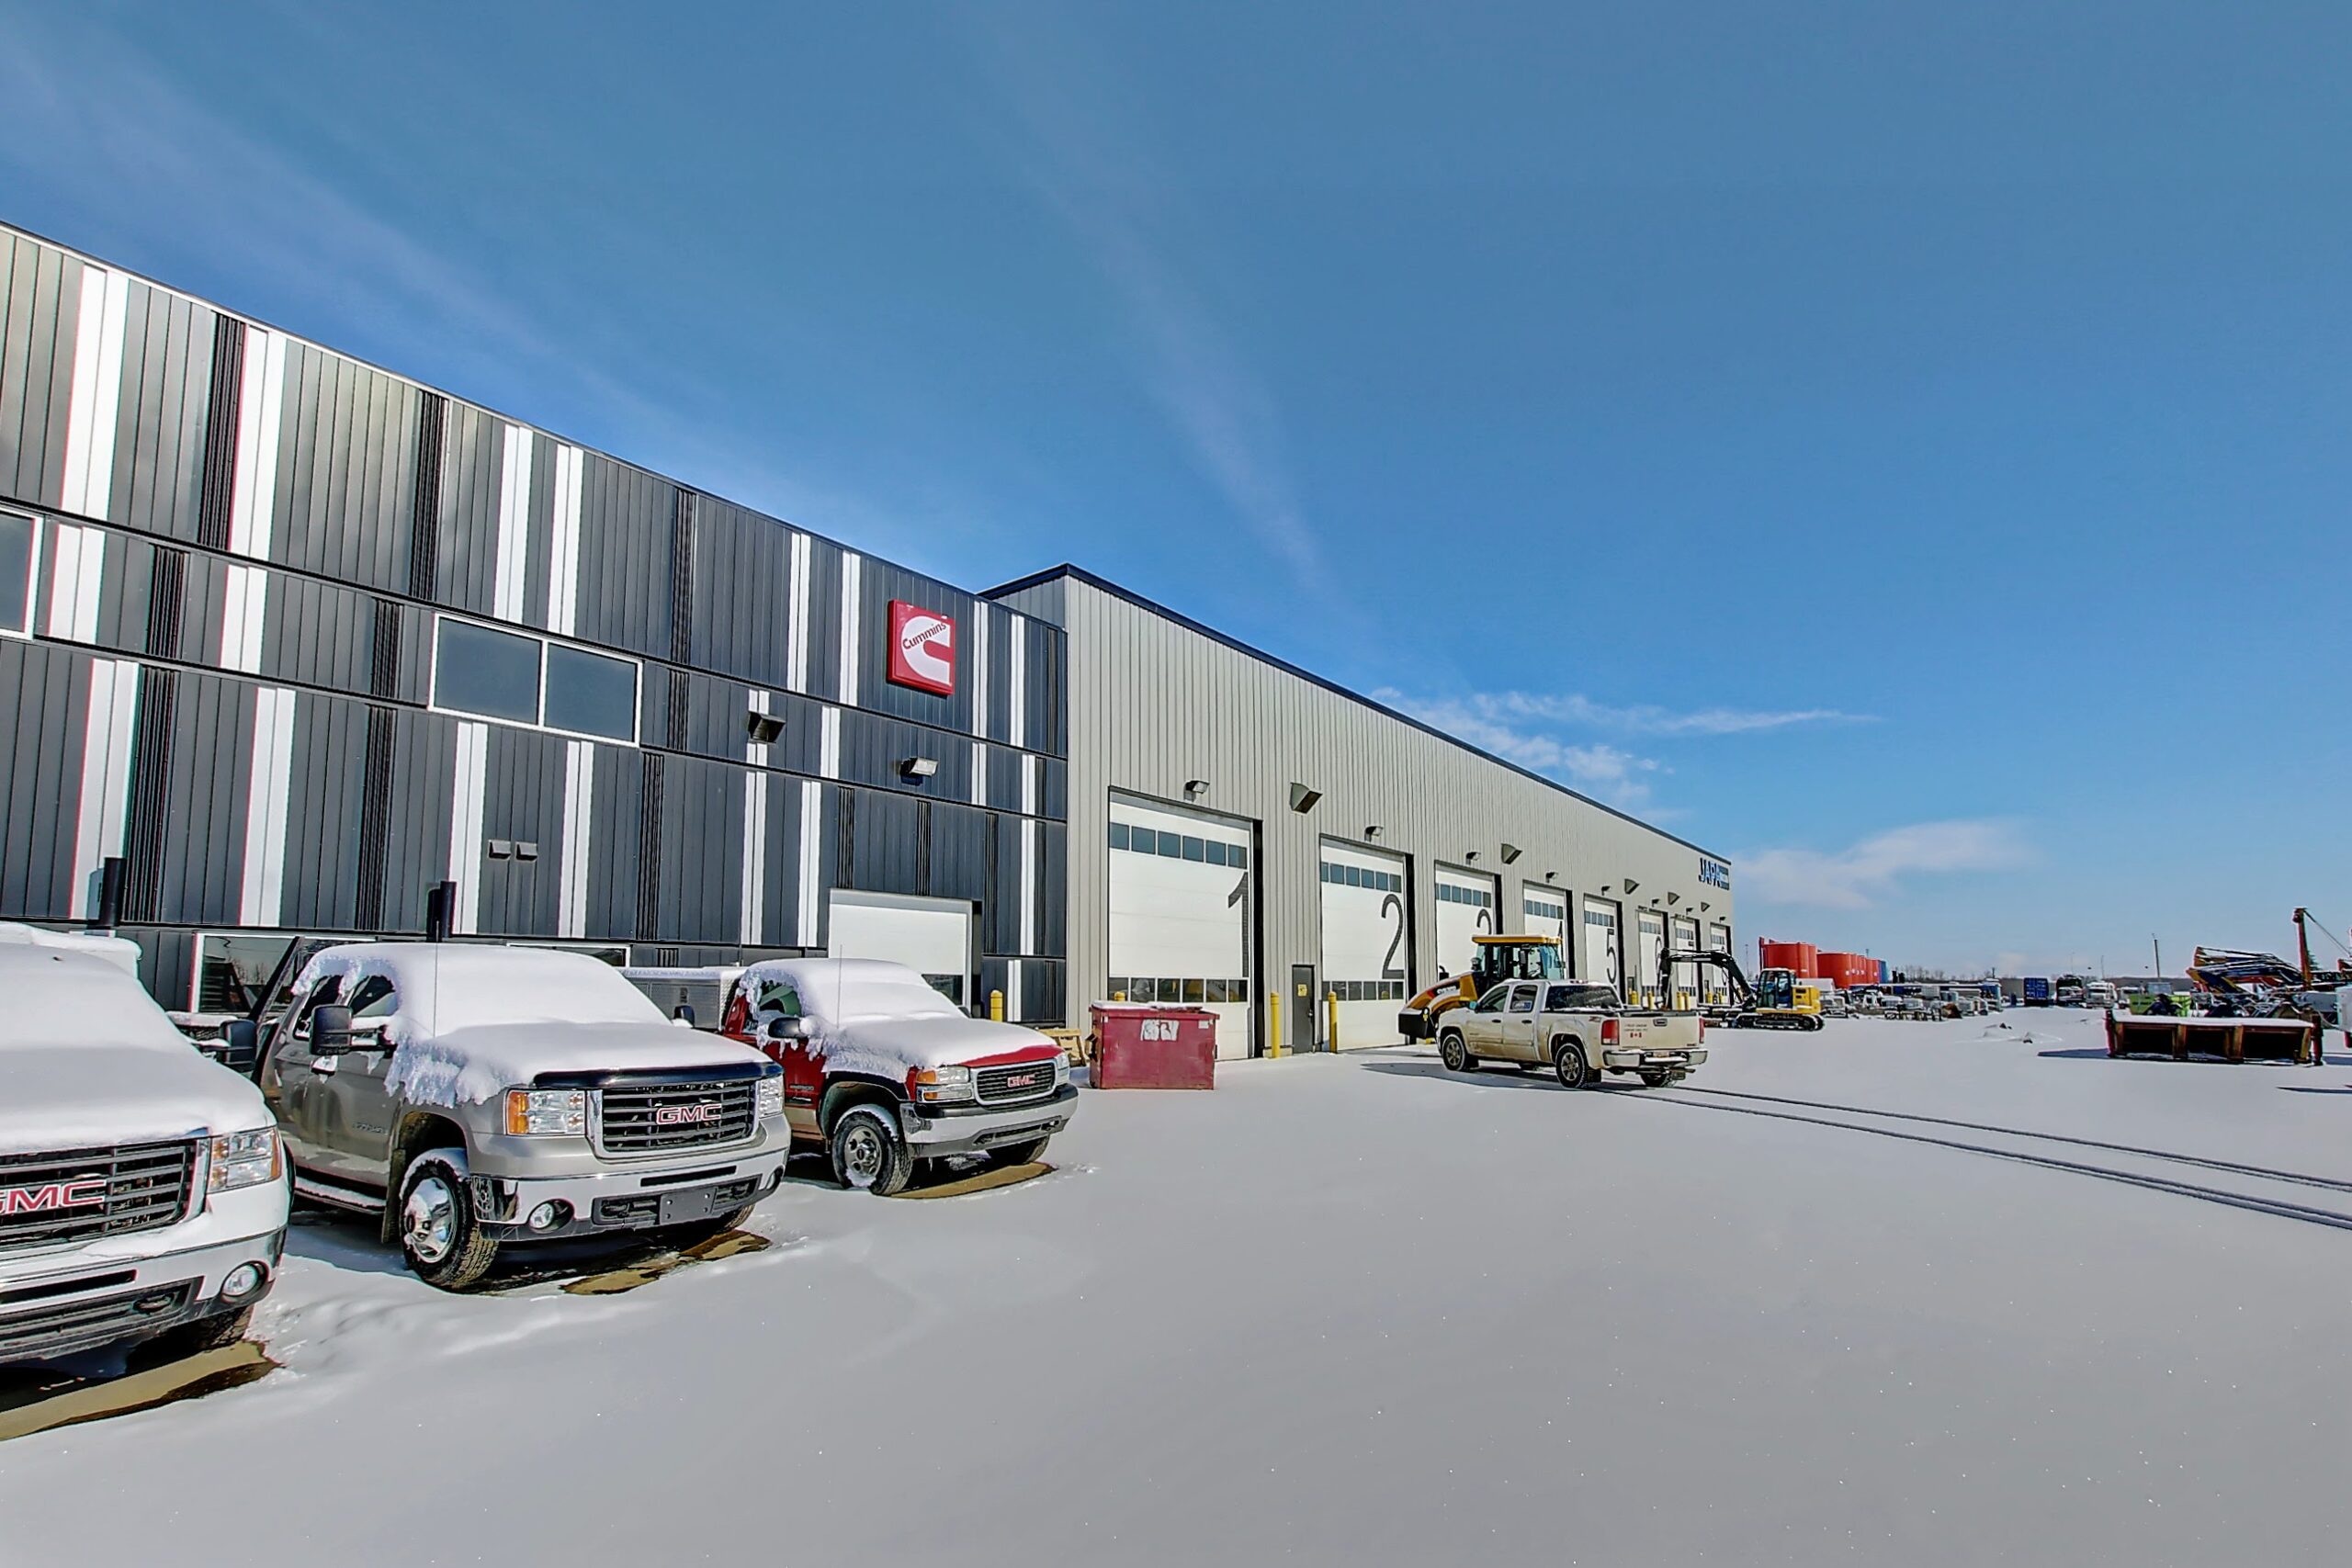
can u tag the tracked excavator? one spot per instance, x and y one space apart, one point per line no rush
1777 1000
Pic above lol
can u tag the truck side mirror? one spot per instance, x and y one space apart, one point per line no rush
682 1013
788 1029
241 1045
330 1029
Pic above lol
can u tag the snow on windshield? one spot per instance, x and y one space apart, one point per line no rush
71 998
886 995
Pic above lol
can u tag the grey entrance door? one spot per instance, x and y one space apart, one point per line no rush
1304 1035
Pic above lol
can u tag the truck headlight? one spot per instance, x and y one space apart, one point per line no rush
771 1096
244 1159
941 1086
1061 1069
539 1112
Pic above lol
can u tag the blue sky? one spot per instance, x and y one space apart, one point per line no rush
1903 448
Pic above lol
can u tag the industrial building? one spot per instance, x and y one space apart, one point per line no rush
287 641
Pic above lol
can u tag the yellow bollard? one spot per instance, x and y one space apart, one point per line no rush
1274 1026
1332 1001
996 1006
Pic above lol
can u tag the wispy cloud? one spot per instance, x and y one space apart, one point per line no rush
1877 867
1087 157
1573 708
1607 772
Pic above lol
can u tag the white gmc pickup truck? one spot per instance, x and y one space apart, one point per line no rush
1578 1030
143 1193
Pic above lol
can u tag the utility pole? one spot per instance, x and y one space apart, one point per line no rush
2160 955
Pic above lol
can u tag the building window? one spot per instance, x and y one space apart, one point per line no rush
1119 835
493 674
16 573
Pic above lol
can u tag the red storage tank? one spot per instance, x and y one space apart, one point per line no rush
1137 1045
1848 969
1800 958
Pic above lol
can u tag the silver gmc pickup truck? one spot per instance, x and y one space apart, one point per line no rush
478 1097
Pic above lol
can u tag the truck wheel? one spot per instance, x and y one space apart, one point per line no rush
439 1234
1569 1066
1025 1153
868 1153
193 1338
1455 1054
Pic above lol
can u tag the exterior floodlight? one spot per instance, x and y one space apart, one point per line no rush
1630 884
1373 832
1674 898
1303 798
1705 906
918 767
762 728
1511 854
1551 876
1195 788
1469 854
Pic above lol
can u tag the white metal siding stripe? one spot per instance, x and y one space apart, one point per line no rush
828 744
513 525
270 768
244 612
1018 730
1012 1010
979 773
853 576
805 929
1033 777
1029 838
755 859
77 559
579 804
105 774
563 543
95 399
260 405
797 660
471 783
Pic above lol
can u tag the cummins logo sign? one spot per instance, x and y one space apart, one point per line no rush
1713 873
923 648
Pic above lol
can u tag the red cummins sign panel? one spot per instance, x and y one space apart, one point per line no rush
923 648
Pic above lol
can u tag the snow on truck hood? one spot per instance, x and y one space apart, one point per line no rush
473 1021
87 1058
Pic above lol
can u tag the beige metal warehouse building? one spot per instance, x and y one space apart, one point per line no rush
1241 831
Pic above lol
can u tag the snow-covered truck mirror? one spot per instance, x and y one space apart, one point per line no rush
788 1029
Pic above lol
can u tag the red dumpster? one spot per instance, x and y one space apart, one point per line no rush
1137 1045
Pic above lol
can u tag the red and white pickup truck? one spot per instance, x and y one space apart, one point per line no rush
885 1073
1578 1030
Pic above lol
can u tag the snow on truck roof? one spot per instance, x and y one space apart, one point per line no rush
458 985
60 997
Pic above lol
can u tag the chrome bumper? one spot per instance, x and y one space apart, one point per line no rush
1636 1061
201 1268
626 1200
965 1132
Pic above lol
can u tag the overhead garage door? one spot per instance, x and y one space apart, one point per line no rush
1466 909
1367 948
1682 986
931 936
1718 987
1180 914
1546 910
1601 949
1650 949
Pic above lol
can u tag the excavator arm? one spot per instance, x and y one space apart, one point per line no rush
1742 992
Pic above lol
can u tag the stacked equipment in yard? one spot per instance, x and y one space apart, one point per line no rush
2232 1039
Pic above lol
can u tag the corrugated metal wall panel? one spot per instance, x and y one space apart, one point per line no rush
47 693
36 366
626 517
473 453
160 418
202 875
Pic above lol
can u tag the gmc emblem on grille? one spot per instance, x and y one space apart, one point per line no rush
680 1115
56 1195
1024 1081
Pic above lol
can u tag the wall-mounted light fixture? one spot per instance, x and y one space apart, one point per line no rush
1373 832
526 849
1673 898
912 769
1469 854
1511 854
1705 906
1630 884
1195 788
762 728
1551 876
501 848
1303 798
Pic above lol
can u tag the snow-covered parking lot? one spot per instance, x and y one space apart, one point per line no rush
1353 1310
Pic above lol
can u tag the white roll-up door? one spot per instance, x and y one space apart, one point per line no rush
931 936
1601 964
1682 986
1649 951
1367 944
1466 909
1181 899
1546 910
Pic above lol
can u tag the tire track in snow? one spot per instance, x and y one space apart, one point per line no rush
2279 1208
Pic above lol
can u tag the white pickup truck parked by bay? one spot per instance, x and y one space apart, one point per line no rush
143 1193
885 1073
1578 1030
478 1097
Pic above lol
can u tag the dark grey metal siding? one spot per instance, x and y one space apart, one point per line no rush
36 365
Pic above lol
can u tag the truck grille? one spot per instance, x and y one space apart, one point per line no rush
1013 1082
145 1187
73 1325
646 1119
